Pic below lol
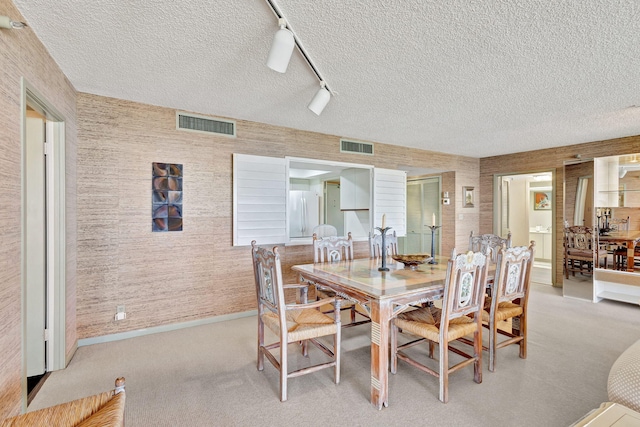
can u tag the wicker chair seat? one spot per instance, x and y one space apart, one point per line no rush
104 409
425 322
302 324
586 254
505 310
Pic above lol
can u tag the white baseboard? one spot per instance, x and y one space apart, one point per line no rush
163 328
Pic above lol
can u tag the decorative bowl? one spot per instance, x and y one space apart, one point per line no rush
411 261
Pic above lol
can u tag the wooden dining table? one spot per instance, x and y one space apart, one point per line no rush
384 294
630 238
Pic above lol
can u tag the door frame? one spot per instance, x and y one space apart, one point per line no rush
56 231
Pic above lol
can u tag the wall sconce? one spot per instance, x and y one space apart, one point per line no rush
8 24
281 48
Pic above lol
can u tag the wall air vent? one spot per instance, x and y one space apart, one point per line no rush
203 124
347 146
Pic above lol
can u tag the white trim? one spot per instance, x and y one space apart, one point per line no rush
164 328
328 162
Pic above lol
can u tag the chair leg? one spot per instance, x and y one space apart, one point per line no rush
260 363
353 313
284 368
477 350
336 350
493 340
523 334
444 372
431 348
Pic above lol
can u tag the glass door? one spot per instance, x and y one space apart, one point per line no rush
423 208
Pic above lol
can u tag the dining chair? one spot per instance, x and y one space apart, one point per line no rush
460 315
325 230
618 252
509 300
335 249
375 244
480 242
580 252
105 409
291 323
489 244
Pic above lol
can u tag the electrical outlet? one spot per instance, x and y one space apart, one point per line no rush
120 313
120 309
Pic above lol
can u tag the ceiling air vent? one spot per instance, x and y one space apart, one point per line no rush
194 123
347 146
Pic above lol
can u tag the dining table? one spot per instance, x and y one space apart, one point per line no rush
629 238
383 294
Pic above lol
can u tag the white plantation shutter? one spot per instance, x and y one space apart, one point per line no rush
390 198
259 200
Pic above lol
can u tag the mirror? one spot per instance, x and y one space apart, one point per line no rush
578 211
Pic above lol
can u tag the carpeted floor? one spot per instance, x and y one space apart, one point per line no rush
206 376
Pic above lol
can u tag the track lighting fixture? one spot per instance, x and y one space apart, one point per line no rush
320 99
281 48
280 54
8 24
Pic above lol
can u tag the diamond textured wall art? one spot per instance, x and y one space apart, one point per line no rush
166 198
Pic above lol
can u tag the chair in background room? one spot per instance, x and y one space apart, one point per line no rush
375 244
580 251
461 315
104 409
509 300
335 249
291 323
618 253
325 230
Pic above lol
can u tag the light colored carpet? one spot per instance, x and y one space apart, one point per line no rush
206 376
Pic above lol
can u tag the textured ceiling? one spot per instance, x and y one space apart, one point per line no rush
476 78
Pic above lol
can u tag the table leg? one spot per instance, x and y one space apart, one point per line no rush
380 316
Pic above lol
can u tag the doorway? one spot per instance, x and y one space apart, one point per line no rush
43 239
524 206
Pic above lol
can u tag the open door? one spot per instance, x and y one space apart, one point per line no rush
35 247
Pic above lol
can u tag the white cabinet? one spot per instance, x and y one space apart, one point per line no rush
543 244
355 189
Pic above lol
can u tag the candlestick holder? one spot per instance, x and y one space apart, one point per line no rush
383 248
433 235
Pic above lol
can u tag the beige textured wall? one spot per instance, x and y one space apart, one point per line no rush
164 278
542 160
22 55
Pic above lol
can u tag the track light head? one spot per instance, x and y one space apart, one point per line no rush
281 48
320 99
